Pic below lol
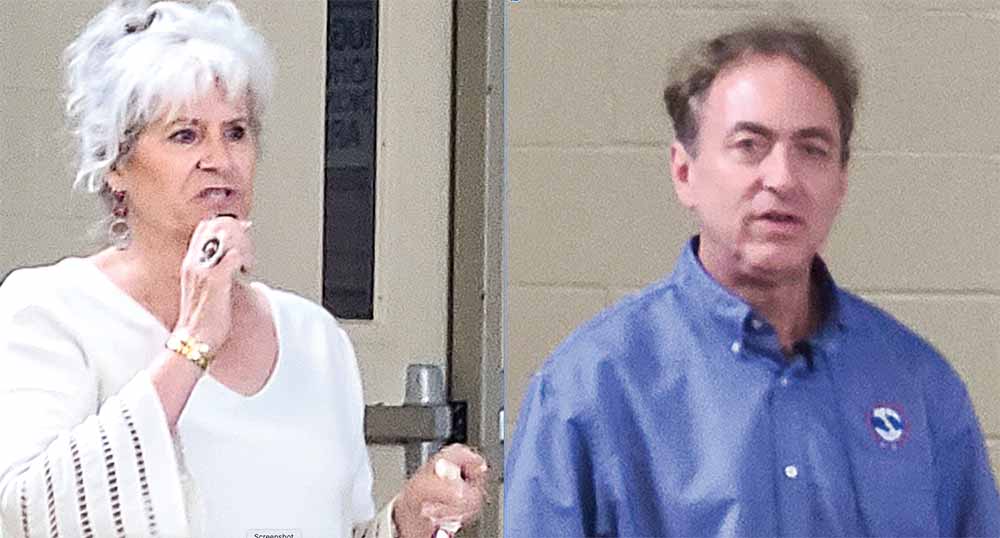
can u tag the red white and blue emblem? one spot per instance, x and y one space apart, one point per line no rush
889 425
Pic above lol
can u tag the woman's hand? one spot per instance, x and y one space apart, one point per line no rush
219 250
428 500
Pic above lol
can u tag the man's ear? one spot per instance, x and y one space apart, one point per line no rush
680 170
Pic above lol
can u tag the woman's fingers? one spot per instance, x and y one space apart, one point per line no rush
447 489
462 503
232 234
472 465
213 239
232 262
219 250
456 489
440 513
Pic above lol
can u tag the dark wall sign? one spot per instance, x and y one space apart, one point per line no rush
349 206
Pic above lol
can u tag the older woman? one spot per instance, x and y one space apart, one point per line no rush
149 389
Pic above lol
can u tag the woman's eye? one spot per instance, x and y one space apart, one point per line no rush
184 136
236 133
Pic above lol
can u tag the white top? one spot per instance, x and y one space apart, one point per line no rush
86 450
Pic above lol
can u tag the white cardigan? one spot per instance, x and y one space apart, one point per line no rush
86 450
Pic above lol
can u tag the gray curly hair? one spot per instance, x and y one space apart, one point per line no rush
136 62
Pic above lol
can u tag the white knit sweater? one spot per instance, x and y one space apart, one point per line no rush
85 449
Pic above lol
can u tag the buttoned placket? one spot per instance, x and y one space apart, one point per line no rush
789 417
800 421
788 400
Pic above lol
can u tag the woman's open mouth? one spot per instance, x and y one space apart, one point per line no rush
217 194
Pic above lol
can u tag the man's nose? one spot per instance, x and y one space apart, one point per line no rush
778 173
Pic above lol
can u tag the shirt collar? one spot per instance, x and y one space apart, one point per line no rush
706 298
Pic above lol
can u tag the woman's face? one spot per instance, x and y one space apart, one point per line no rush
190 168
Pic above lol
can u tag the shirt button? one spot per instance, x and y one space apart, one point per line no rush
756 323
784 381
736 347
792 471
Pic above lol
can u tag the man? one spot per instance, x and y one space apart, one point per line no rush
746 394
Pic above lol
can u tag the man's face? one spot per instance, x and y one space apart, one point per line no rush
767 181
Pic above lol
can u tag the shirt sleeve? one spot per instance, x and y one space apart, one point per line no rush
968 502
382 526
365 522
548 487
362 506
71 465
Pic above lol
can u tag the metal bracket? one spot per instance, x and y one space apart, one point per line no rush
402 424
424 423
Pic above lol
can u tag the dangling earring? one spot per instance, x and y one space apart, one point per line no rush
118 232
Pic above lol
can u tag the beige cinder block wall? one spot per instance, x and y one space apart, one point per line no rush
593 215
40 221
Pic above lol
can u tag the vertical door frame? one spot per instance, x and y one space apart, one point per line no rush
478 288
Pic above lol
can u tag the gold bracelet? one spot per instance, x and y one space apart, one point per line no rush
184 344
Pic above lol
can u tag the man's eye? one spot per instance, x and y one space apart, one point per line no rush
816 151
184 136
749 146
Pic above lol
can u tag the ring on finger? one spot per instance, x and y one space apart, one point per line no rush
211 252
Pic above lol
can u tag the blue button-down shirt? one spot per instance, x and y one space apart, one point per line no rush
675 413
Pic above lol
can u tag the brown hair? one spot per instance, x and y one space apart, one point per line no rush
831 62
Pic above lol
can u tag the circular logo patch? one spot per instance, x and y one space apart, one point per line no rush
889 426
